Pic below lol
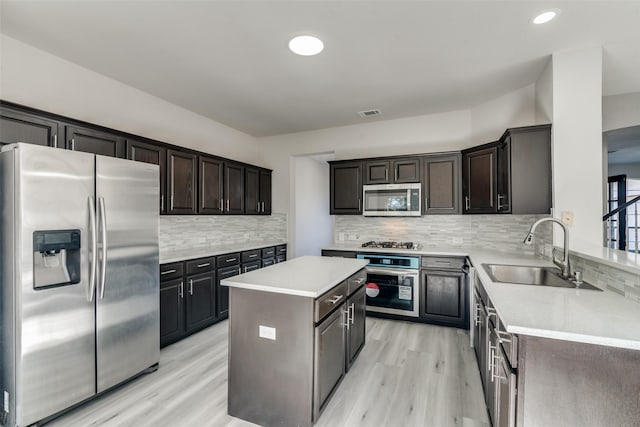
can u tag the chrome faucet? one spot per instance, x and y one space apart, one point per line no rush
564 263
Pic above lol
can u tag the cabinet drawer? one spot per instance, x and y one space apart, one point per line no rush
281 250
268 261
281 258
228 260
268 252
356 281
330 300
248 256
175 270
202 265
435 262
250 266
225 273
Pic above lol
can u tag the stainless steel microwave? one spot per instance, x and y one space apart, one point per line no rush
391 200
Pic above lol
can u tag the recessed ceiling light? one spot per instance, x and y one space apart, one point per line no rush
546 16
306 45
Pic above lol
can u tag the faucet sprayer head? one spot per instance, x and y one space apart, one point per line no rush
529 239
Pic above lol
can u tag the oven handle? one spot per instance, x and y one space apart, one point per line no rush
392 271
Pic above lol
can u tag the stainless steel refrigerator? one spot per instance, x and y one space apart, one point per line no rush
79 309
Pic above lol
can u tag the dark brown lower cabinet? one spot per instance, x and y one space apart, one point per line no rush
329 367
201 304
356 307
444 298
171 311
222 292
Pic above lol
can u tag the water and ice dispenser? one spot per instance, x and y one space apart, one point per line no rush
56 258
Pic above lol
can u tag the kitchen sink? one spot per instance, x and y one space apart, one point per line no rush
532 275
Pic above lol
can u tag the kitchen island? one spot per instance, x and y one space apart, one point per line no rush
295 328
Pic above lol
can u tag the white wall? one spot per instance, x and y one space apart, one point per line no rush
544 94
577 143
620 111
313 224
37 79
632 170
490 119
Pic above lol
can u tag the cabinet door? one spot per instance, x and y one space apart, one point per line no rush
94 141
156 155
171 311
406 170
329 358
265 192
181 182
443 297
210 179
504 176
222 292
442 184
357 306
17 126
506 382
479 174
201 304
377 172
346 188
252 191
234 188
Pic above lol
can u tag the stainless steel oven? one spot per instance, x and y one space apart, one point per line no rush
392 284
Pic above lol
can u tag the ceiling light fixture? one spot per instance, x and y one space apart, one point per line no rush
546 16
306 45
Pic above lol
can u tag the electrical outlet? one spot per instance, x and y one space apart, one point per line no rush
567 218
341 237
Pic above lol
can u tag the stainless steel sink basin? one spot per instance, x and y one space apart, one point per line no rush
527 275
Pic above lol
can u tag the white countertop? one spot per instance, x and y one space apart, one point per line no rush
307 276
579 315
192 253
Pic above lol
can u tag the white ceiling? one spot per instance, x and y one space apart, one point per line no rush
229 60
623 145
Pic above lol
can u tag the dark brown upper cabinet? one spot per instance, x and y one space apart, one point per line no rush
18 126
181 182
479 179
512 175
525 179
234 188
391 171
441 178
210 179
94 141
257 191
345 187
154 154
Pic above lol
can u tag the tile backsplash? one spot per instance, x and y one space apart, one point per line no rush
502 232
607 277
184 232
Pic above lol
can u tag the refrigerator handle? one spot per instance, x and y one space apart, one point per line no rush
103 263
94 247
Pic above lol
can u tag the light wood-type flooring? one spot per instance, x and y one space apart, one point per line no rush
408 374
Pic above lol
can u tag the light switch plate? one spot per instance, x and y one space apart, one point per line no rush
267 332
567 217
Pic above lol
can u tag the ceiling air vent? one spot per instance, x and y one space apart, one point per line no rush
370 113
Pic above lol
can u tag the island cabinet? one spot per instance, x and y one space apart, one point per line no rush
300 326
535 381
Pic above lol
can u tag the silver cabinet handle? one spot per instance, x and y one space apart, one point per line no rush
503 337
190 286
500 205
168 272
94 247
171 208
495 375
358 204
181 290
386 174
162 203
335 299
55 141
231 259
227 205
359 280
103 223
258 207
73 144
466 203
352 311
221 206
245 269
253 255
477 320
206 264
239 270
492 350
395 173
262 207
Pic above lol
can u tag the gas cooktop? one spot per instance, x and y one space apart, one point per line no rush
390 245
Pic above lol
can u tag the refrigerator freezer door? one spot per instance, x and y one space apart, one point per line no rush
127 300
54 332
